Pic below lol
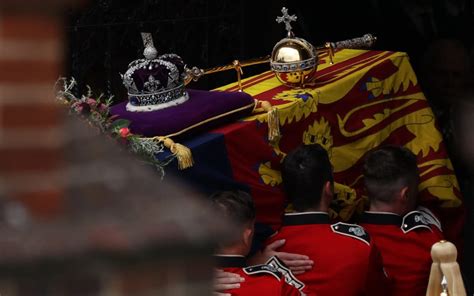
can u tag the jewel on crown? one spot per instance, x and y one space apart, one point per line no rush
154 83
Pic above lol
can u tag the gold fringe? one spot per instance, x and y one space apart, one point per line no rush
182 153
273 122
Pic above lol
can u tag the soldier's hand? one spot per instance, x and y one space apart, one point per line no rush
297 263
225 281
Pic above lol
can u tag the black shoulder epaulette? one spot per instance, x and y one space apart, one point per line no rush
263 269
283 269
430 217
351 230
419 219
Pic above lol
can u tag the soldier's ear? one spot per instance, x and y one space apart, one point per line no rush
328 189
405 194
327 194
247 237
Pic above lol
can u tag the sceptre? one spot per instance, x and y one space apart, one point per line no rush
195 73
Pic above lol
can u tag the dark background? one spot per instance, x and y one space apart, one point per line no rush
104 35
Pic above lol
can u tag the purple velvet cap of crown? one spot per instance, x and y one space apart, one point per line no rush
155 83
158 71
201 106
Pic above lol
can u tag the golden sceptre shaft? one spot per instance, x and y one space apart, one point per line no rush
194 73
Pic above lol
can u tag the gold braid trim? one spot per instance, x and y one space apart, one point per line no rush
182 153
273 122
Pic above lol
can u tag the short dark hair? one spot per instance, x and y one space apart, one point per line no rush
387 169
304 172
237 206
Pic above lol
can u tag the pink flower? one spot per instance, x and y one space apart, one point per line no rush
102 107
91 102
124 132
81 108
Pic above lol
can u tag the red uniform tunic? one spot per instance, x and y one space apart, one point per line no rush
264 280
345 262
405 244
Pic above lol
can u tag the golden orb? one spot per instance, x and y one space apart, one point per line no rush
294 61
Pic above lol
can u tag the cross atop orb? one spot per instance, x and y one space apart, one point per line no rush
286 18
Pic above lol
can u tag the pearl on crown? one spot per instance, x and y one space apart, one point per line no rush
150 53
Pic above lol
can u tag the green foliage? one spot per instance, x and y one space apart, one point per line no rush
96 111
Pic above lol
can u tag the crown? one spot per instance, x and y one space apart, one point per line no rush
154 83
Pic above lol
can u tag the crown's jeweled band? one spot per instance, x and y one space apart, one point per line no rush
295 66
166 96
147 99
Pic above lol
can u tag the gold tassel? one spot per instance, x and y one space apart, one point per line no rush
182 153
273 122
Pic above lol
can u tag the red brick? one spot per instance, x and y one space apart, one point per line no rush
30 26
33 115
50 137
30 160
30 50
142 279
44 204
29 71
25 94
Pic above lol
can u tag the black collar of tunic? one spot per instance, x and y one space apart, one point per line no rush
381 218
305 218
230 261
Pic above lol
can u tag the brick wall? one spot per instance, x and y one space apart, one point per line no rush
31 52
32 162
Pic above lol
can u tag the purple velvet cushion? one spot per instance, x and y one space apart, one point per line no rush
203 110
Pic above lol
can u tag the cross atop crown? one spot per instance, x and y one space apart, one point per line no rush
150 51
287 19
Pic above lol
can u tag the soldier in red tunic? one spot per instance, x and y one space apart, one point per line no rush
346 262
403 232
272 278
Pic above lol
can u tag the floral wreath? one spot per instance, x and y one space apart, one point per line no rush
96 111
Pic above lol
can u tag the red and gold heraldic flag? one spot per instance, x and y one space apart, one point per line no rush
365 99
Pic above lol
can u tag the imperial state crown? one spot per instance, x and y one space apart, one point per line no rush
155 82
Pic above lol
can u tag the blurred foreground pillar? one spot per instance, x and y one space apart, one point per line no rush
78 215
31 53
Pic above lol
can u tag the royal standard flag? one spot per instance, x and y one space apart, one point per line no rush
363 100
